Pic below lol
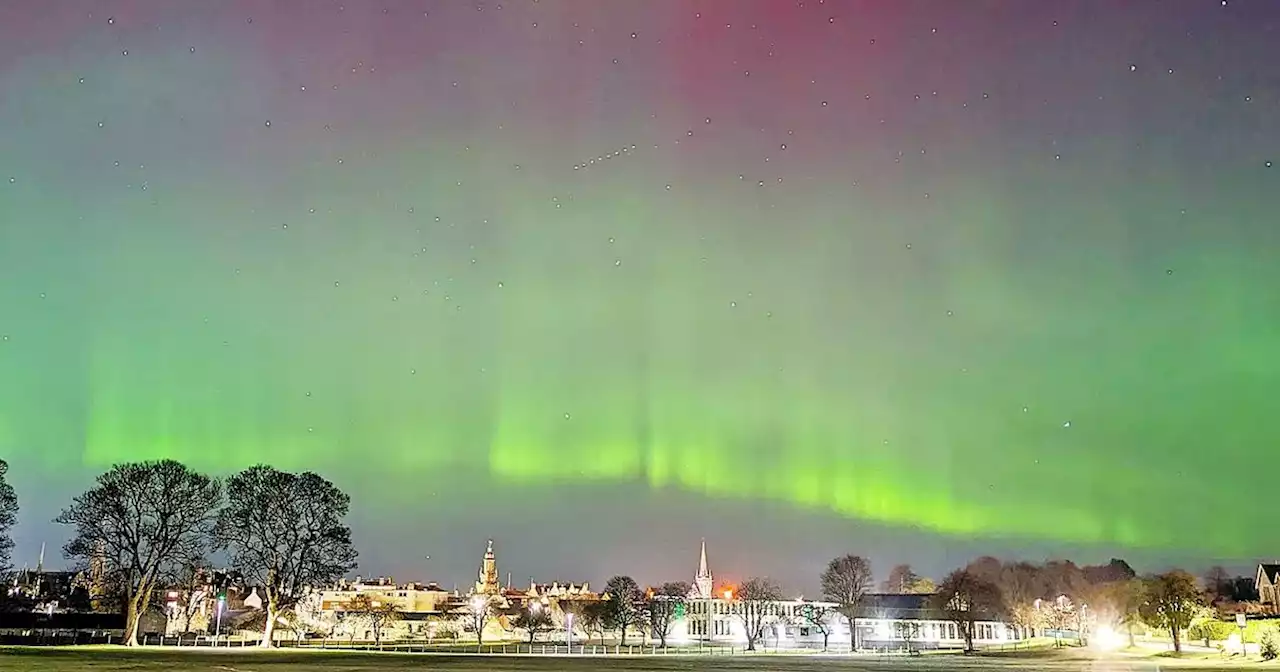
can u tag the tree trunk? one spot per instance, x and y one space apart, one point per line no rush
623 642
1131 642
269 630
825 637
1177 640
135 605
853 634
131 619
662 638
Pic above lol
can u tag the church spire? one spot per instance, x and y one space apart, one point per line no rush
487 581
703 584
40 562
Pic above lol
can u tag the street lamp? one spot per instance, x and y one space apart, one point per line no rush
217 633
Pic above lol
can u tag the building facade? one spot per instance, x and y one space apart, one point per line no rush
884 621
1267 581
429 612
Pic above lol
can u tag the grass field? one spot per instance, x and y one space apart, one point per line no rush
107 659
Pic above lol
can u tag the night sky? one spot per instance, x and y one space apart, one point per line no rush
919 280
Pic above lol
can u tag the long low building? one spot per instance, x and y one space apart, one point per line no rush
887 621
891 621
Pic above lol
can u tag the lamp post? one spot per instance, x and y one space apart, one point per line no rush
1242 622
217 632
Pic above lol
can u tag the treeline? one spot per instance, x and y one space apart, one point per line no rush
1058 595
146 526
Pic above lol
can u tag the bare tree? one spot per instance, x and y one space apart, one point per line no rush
1218 584
965 598
1171 601
534 619
846 581
901 577
479 612
1020 585
377 614
818 617
623 611
1060 613
1115 571
1063 577
285 532
310 616
909 631
8 518
593 617
139 522
755 604
664 605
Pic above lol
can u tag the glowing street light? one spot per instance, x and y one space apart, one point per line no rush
222 604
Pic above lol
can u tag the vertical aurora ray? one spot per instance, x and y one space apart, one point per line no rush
998 275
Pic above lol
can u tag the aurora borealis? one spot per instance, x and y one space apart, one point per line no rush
971 270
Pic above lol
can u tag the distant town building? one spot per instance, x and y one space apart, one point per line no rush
885 621
487 583
425 611
51 592
1267 581
703 583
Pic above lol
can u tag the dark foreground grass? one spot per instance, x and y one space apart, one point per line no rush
106 659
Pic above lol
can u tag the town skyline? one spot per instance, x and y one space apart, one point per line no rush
456 561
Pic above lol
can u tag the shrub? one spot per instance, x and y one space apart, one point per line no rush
1270 644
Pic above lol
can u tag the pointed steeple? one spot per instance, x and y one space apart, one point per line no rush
40 562
703 583
487 580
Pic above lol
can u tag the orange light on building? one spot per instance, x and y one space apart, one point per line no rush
728 593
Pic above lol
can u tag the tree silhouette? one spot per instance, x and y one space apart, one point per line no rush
377 614
534 619
819 618
663 606
623 606
139 524
846 581
754 604
965 598
8 518
1171 601
285 532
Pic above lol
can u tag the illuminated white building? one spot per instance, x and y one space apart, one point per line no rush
884 621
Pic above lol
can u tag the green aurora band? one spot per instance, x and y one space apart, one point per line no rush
982 341
575 371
